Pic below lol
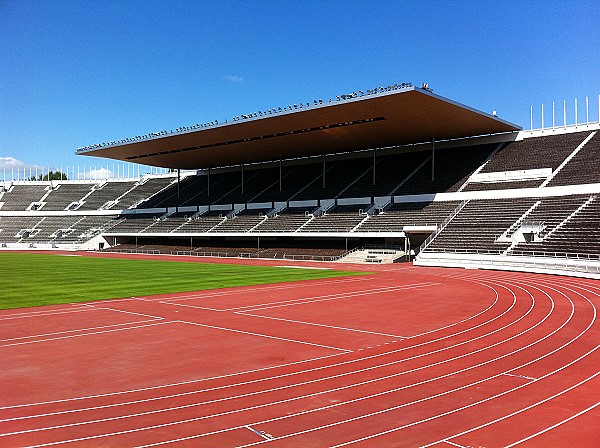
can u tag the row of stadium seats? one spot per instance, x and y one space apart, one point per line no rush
299 253
396 174
69 195
566 224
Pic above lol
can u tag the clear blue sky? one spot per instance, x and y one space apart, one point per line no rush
74 73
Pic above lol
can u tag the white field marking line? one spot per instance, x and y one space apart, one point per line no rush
42 309
301 300
463 320
84 334
162 386
241 289
123 311
302 267
268 368
205 308
305 300
574 285
264 336
260 433
507 391
245 383
341 295
242 313
317 299
495 421
313 394
525 409
40 314
553 426
453 444
262 369
448 412
74 331
521 376
97 302
404 405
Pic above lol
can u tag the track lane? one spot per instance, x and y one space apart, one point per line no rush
470 333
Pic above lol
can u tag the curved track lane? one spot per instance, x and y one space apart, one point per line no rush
405 357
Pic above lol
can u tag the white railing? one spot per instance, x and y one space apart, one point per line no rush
283 256
523 253
444 223
131 251
552 265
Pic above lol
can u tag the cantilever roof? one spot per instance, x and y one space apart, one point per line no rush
396 117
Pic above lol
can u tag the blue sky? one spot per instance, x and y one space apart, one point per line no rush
74 73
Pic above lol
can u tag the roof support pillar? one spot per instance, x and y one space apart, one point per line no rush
178 181
242 178
324 160
280 184
208 183
433 159
374 156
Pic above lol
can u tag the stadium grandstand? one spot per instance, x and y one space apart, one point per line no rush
392 173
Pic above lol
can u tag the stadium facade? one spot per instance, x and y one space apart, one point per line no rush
383 174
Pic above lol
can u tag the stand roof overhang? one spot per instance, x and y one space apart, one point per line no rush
398 117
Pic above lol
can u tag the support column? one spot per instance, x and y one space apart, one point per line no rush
178 181
374 156
208 183
324 160
242 178
280 177
432 160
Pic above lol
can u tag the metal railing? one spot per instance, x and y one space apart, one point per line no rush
522 253
283 256
132 251
552 262
444 223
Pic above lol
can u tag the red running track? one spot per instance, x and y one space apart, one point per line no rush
400 357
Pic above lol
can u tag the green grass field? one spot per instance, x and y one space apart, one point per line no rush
39 279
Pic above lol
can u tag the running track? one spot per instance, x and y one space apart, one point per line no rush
401 357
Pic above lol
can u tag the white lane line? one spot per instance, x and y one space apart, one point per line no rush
263 434
505 392
123 311
512 414
521 410
325 391
76 330
243 290
303 300
454 444
242 313
318 299
466 319
532 327
521 376
367 415
47 313
594 406
461 409
264 336
83 335
379 355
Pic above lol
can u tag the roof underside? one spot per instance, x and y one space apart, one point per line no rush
393 118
